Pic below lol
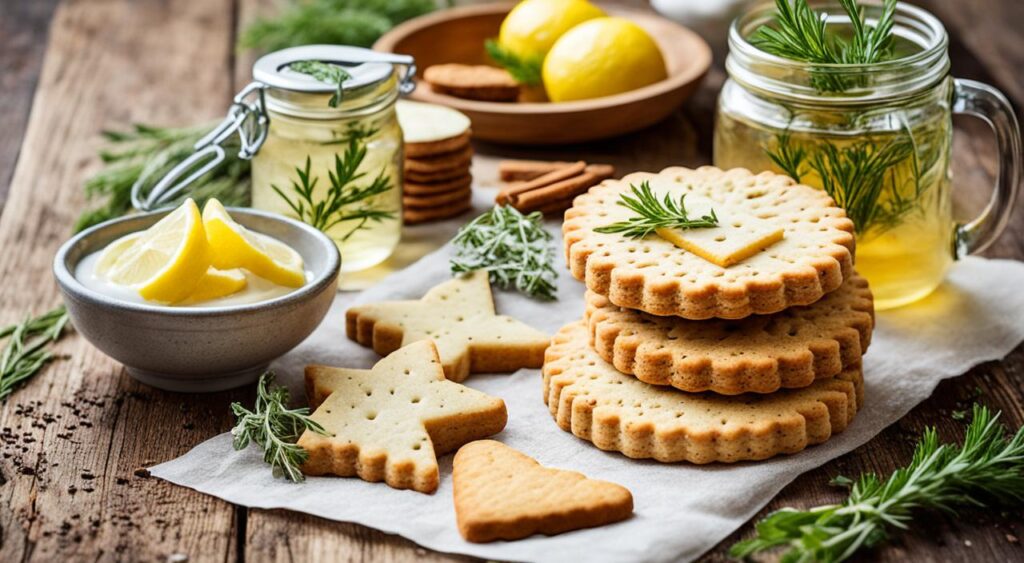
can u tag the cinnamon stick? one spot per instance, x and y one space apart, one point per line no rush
510 193
526 170
563 189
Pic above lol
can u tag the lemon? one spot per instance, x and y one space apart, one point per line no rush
602 57
165 262
234 246
533 26
217 283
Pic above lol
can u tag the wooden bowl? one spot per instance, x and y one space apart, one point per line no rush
457 35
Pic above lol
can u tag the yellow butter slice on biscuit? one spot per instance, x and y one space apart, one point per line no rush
737 237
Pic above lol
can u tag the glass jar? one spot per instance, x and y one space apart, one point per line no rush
338 168
875 137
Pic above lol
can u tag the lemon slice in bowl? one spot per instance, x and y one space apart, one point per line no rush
234 246
216 284
165 262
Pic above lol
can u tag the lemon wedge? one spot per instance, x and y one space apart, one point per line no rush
216 284
165 262
234 246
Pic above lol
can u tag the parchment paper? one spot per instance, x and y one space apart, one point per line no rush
681 510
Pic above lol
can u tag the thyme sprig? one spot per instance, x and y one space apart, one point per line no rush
514 248
328 73
525 70
801 34
652 214
275 428
26 350
987 470
344 200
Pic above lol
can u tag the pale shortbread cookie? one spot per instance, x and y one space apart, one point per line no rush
591 399
391 422
503 494
655 276
459 317
760 353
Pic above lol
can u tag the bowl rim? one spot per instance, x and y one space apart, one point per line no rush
72 288
701 65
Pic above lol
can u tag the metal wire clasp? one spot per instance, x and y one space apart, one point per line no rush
247 117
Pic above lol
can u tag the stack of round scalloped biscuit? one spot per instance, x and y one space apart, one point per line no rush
680 359
438 155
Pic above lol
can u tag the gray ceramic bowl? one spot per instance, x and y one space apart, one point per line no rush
200 349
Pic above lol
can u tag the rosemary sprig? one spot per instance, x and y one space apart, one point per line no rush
514 248
325 72
801 34
344 201
525 70
987 470
275 428
331 22
652 214
146 154
25 352
788 156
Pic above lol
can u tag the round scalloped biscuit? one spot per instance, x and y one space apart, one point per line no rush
759 354
591 399
657 277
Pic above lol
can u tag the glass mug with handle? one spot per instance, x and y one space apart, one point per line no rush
876 137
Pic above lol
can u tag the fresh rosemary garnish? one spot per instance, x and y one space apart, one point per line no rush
325 72
988 470
343 201
25 352
652 214
146 154
331 22
275 428
525 70
801 34
513 247
787 156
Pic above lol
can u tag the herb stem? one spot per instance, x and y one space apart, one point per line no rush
651 214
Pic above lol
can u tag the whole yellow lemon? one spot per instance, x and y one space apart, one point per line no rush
602 57
533 26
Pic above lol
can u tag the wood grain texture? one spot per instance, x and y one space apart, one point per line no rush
71 441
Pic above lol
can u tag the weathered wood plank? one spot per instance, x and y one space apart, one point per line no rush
23 27
73 437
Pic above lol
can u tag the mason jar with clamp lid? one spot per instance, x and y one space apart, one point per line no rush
325 145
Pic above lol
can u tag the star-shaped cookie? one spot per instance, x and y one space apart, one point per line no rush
459 317
391 422
501 493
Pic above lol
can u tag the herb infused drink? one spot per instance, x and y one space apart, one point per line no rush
855 98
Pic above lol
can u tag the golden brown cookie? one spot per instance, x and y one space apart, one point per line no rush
417 216
458 160
503 494
391 422
591 399
445 186
436 200
436 177
651 274
473 82
435 148
759 354
459 316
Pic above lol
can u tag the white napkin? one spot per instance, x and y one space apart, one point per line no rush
682 510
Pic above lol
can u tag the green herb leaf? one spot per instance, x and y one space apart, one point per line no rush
652 214
325 72
26 350
525 70
331 22
344 201
275 428
987 470
514 248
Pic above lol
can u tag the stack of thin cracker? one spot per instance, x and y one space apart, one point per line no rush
437 183
736 342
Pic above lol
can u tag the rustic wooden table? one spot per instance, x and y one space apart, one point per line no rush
74 439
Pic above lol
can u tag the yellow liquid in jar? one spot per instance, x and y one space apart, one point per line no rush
290 142
906 248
